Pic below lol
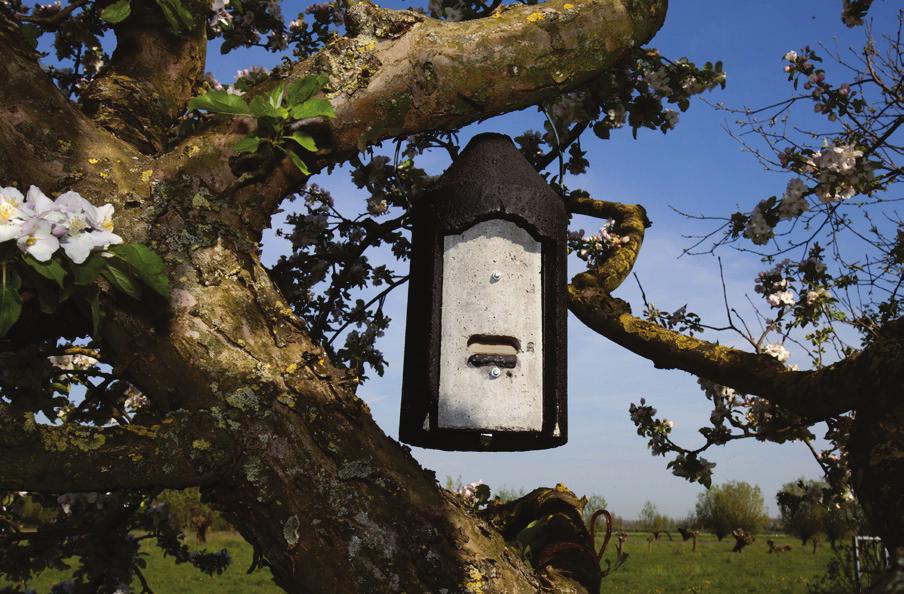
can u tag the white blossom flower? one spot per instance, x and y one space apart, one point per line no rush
616 115
72 362
659 81
780 298
11 201
758 230
668 423
135 399
671 118
778 351
793 203
815 295
469 491
791 56
37 239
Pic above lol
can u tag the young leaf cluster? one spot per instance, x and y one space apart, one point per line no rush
275 112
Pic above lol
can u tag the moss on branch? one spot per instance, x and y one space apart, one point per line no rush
70 457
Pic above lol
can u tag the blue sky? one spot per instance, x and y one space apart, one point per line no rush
697 167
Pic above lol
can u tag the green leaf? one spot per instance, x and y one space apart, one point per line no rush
86 272
176 15
146 264
48 297
306 141
276 96
220 102
260 107
10 302
117 12
97 314
249 144
120 279
51 269
298 163
300 91
312 108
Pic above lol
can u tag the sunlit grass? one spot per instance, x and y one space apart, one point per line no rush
672 566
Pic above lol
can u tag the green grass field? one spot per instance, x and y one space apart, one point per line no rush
662 566
665 566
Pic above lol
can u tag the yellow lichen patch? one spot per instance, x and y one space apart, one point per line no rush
193 150
72 436
534 17
142 430
475 581
103 174
287 399
201 444
561 488
291 368
497 14
146 175
93 161
568 6
135 457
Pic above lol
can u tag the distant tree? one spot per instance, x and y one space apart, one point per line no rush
810 507
803 514
187 511
594 503
734 504
509 494
650 519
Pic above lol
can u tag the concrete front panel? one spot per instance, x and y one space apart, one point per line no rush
491 287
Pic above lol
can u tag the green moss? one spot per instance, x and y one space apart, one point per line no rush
60 439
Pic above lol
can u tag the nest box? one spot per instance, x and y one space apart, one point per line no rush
485 342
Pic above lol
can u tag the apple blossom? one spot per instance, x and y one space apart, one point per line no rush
41 226
778 351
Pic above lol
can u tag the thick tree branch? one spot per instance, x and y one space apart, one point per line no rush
151 76
404 73
815 395
186 449
630 221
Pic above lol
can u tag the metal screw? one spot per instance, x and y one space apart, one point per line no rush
495 276
495 372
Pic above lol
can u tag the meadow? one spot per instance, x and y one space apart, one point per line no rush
660 567
671 566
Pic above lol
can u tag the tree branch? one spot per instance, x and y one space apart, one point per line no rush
630 221
186 449
403 74
815 395
151 76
